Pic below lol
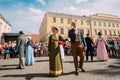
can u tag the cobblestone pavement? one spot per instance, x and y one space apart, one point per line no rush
109 70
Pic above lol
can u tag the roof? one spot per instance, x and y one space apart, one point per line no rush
10 34
67 15
5 20
34 36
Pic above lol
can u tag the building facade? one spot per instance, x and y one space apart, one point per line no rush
109 25
5 26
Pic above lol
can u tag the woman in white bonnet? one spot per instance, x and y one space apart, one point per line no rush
29 58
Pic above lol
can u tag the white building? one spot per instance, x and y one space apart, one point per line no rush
5 26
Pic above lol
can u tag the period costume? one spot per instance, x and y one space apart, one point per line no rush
20 49
101 49
90 48
55 62
29 56
78 45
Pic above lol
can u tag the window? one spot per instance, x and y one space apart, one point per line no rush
54 19
62 31
113 25
99 23
61 20
108 24
110 32
68 20
75 20
114 33
87 21
94 23
105 32
81 22
95 31
117 25
8 29
104 24
118 32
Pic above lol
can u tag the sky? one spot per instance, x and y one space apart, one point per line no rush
27 15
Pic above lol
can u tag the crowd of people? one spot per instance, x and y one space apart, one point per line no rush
7 49
114 46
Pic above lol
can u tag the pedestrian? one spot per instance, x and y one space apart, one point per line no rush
78 46
38 49
42 48
55 61
90 48
29 56
117 49
13 49
66 48
1 49
101 44
35 49
7 51
20 49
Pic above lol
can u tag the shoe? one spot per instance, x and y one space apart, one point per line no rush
82 70
76 73
91 60
20 68
53 75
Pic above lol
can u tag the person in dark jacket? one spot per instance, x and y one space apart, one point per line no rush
90 47
78 46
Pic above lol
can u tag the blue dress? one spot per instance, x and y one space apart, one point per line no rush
29 58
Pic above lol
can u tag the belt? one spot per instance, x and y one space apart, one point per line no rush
53 41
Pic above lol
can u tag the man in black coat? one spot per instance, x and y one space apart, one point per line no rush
90 48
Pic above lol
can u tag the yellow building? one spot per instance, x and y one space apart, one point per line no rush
109 25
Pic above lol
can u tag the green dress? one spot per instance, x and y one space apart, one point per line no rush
55 62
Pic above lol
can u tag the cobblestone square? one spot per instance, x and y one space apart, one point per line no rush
40 70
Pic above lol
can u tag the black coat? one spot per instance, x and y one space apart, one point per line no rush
89 42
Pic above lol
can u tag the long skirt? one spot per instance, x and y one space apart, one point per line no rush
55 63
29 58
101 51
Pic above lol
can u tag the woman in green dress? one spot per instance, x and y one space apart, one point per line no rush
55 62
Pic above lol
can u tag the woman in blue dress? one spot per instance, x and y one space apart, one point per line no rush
29 58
